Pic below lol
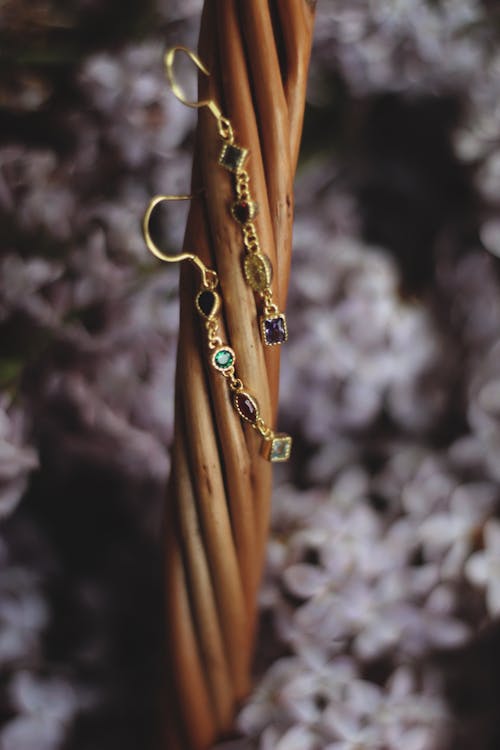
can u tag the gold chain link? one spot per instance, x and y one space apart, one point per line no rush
250 237
235 384
214 341
270 307
266 432
211 279
225 130
241 185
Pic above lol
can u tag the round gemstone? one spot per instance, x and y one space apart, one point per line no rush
207 303
246 407
244 211
257 268
223 358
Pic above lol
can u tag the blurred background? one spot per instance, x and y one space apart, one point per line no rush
379 606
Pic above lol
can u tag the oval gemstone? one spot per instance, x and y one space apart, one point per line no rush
223 358
258 272
244 211
246 407
207 302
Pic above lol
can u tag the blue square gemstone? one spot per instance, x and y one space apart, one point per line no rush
275 330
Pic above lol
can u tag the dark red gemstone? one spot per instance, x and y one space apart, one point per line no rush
206 302
243 211
246 407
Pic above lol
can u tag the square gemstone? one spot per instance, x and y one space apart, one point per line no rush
232 157
279 448
274 329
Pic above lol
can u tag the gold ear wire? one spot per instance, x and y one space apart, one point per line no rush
152 247
224 126
209 277
176 88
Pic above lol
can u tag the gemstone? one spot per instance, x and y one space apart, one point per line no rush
232 157
278 448
275 330
246 407
244 211
258 271
223 358
207 303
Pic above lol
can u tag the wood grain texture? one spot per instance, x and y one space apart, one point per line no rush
218 501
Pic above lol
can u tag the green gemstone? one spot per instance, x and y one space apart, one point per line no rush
223 359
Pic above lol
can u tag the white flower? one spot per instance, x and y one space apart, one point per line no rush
295 689
22 281
359 369
32 733
17 459
144 120
449 535
23 614
45 708
53 698
429 489
328 705
295 738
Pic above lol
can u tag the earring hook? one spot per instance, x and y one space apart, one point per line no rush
224 126
209 277
176 88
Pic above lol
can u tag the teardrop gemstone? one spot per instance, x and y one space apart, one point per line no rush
207 303
246 407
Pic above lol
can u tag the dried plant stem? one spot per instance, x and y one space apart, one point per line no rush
219 493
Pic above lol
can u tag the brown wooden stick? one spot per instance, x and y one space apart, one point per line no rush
257 53
202 596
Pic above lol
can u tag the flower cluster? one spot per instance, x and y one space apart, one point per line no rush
385 542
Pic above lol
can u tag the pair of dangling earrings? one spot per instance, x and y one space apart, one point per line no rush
256 266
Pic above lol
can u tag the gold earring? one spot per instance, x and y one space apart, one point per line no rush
256 265
275 446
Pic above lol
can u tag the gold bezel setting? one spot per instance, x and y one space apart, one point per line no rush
252 414
215 306
232 157
278 448
270 328
258 271
243 211
217 353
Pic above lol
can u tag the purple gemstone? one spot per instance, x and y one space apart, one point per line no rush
275 330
